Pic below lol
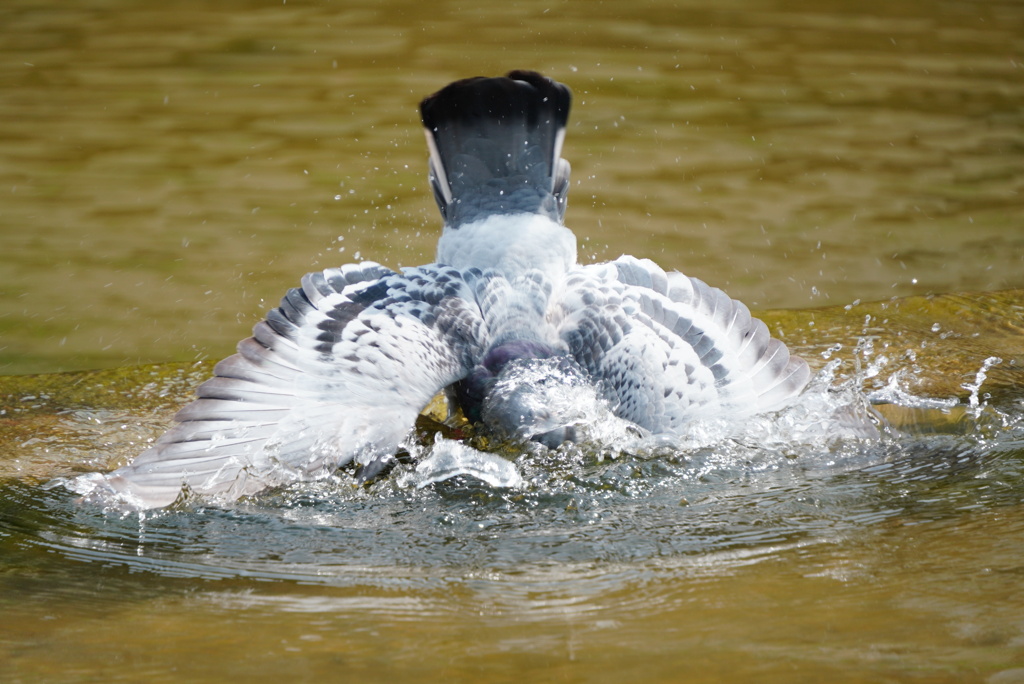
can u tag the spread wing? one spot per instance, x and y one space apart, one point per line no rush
337 373
670 349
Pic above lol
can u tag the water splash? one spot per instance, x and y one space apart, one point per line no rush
823 465
896 392
447 459
975 387
551 400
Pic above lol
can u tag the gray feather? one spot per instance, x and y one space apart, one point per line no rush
494 147
339 371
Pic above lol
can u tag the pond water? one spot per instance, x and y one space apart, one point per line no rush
852 171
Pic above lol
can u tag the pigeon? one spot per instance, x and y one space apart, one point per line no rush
337 375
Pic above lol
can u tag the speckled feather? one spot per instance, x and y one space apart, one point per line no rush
339 371
670 349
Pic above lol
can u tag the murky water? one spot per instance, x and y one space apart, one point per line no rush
168 172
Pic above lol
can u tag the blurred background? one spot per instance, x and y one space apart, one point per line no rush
167 172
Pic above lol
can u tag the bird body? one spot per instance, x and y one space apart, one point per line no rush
503 321
511 244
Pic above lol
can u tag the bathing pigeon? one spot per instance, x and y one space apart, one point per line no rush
339 372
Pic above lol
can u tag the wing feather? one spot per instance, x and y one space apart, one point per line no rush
337 373
671 349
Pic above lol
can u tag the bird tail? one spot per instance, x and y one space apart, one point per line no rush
495 146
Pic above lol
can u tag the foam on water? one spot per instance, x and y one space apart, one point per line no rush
448 458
